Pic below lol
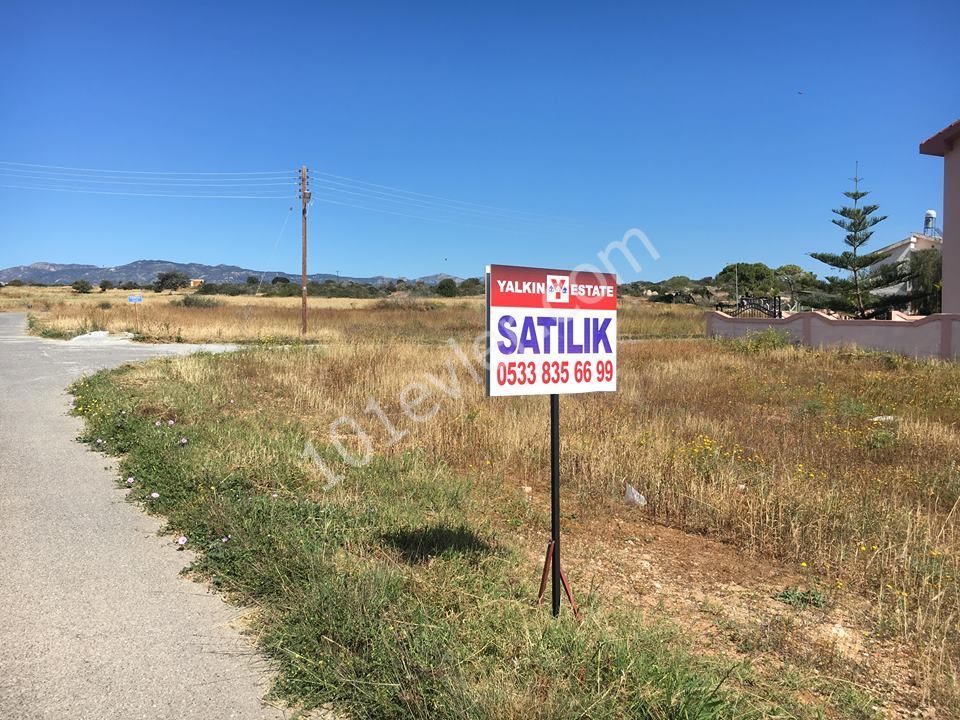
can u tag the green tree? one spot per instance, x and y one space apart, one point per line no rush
853 294
280 280
253 280
170 281
471 286
926 280
795 280
748 279
447 287
106 285
81 286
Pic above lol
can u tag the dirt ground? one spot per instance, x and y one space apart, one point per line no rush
725 602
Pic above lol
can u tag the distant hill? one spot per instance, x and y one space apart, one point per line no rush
145 271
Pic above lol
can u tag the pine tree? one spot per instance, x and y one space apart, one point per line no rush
854 294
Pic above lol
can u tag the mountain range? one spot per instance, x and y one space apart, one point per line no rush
143 272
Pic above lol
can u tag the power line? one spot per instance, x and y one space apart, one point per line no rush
257 185
276 243
144 172
439 197
150 182
429 204
454 221
140 194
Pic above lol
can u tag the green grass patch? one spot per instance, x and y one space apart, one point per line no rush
802 599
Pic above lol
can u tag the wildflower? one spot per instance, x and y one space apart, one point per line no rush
803 564
182 540
274 496
154 495
130 480
225 538
99 441
183 441
157 424
170 423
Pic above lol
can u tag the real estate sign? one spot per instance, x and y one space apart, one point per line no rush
550 331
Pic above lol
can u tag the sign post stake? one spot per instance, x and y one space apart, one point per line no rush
555 500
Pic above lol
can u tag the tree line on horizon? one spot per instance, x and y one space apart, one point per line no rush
855 291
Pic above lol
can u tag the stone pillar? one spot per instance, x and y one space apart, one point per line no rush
946 144
951 230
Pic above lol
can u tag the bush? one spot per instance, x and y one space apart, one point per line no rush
81 286
196 301
407 303
472 286
763 341
447 287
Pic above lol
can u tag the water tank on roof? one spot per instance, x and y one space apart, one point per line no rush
930 222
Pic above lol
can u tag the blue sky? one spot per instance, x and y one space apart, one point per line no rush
724 131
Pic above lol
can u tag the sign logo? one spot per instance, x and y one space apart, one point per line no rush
558 289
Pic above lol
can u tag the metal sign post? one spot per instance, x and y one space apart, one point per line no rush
555 503
551 332
136 300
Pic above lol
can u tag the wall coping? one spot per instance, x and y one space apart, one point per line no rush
938 317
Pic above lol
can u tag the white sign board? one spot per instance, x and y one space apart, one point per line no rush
134 298
550 331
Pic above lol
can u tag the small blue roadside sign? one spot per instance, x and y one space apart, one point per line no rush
134 298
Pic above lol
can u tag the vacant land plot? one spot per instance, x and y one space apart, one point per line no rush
830 480
62 313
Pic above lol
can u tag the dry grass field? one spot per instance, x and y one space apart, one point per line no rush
842 466
62 313
801 518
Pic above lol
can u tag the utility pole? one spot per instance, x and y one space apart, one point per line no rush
304 201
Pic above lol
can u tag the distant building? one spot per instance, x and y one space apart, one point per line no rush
196 282
899 253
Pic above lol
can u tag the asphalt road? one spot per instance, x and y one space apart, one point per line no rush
95 621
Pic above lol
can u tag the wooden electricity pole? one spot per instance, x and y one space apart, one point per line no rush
304 201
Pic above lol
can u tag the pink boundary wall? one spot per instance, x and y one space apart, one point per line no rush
932 336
